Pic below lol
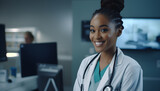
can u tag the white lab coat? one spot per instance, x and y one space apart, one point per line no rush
128 74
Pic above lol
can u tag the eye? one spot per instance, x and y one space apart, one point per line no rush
104 30
92 30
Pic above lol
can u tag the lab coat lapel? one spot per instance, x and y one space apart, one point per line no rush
105 79
89 73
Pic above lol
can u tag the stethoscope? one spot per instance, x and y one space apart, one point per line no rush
109 86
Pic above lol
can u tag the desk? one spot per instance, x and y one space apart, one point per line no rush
20 84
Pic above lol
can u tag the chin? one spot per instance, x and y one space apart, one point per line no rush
98 50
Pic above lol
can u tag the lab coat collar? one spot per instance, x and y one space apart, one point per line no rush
89 73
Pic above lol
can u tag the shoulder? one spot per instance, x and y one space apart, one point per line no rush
131 68
131 63
128 63
132 77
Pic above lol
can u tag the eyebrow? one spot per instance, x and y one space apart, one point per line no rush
103 26
91 26
100 26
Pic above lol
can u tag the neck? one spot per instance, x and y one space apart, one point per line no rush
108 54
106 57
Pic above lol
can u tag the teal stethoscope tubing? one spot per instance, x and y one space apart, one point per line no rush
109 86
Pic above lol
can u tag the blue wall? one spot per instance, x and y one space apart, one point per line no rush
83 9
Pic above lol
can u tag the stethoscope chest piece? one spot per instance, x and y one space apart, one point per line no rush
108 88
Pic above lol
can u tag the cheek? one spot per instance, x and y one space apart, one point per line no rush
112 39
111 34
91 36
106 36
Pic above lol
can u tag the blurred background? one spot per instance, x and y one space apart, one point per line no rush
60 21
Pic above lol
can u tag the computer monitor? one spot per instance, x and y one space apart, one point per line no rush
33 54
50 77
140 34
3 51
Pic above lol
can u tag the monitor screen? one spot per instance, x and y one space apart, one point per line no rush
140 33
33 54
3 51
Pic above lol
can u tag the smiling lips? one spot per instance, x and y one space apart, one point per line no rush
99 43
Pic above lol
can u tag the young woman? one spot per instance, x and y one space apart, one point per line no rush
110 69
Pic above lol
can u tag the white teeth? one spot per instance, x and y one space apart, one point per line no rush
98 43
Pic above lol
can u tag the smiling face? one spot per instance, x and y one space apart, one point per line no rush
103 34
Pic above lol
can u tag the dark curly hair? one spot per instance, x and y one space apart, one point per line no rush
111 9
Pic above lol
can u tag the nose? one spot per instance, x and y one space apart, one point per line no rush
98 35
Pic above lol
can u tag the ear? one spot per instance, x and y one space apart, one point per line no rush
119 31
